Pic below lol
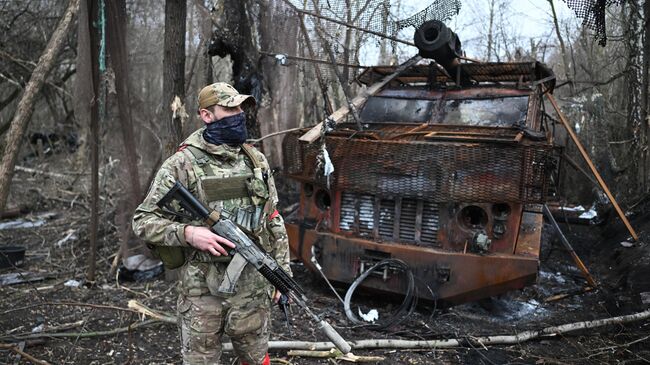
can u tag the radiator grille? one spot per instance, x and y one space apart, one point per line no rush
429 223
348 206
386 218
366 215
407 220
418 220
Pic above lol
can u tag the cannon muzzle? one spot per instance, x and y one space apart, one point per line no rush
434 40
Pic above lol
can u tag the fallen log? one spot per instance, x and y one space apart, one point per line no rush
467 341
424 344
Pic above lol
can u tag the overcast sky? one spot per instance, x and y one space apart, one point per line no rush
524 19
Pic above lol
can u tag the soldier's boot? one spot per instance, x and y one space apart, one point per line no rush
265 361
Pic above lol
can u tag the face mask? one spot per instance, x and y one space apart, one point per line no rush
229 130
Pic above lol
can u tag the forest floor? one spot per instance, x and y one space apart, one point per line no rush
60 319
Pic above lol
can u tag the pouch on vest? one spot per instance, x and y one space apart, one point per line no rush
257 188
172 257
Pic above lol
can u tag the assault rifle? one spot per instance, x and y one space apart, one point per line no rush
244 246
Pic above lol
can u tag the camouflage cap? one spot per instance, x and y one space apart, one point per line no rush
222 94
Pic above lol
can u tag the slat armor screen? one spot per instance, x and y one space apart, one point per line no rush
434 172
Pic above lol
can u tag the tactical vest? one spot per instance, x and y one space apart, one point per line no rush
224 187
217 189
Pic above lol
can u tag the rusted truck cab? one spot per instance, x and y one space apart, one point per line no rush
447 176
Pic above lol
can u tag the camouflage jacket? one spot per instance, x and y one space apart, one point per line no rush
158 228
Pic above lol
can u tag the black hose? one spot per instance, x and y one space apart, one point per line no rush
405 309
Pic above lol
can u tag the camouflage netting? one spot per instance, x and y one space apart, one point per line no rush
592 13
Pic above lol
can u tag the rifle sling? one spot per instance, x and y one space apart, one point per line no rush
233 271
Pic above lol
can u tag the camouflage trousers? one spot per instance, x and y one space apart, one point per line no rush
244 317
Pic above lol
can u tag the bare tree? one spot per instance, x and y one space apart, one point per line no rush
235 33
25 107
645 103
565 57
173 70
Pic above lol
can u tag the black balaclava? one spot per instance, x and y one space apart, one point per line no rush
229 130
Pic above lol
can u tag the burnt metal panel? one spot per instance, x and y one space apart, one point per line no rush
435 172
515 72
455 277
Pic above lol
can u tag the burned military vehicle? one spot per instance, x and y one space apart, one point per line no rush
447 175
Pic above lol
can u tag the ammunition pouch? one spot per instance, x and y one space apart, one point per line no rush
172 257
225 188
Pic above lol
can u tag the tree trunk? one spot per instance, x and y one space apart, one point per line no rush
635 83
565 56
116 37
283 111
25 106
645 145
96 27
235 24
173 70
490 36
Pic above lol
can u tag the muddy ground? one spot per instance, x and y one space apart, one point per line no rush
58 321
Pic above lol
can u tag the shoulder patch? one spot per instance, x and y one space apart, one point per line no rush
181 148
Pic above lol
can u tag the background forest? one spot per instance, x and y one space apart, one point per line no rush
120 94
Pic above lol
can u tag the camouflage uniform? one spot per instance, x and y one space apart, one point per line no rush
204 313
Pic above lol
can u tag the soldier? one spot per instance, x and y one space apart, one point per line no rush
233 178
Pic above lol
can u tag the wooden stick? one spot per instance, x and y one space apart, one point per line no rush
14 348
88 334
72 304
561 296
274 134
161 316
584 154
334 354
358 101
567 245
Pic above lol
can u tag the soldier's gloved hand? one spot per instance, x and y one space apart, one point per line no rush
202 238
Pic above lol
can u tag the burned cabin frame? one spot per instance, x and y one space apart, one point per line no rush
450 179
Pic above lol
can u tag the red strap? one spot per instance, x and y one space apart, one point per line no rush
265 361
181 147
274 214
